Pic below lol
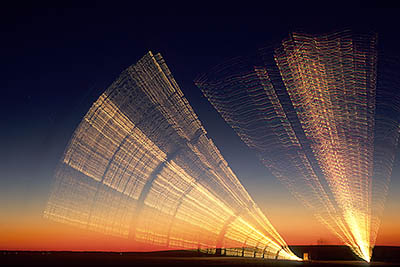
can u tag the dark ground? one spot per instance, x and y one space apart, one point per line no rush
321 255
326 253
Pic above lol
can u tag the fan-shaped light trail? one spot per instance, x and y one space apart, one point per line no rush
140 166
331 82
313 119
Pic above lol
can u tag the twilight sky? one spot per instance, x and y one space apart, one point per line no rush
56 62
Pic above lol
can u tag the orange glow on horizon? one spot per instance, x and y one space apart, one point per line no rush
140 167
312 111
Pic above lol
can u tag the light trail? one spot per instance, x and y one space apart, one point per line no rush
140 166
318 123
331 81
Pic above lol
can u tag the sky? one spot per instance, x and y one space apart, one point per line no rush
55 62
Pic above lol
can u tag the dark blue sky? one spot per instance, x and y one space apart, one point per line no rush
56 61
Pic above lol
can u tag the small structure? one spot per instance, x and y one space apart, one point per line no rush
306 256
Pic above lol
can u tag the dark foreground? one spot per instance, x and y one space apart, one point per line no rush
323 257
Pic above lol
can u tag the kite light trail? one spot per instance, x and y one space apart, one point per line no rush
318 118
140 166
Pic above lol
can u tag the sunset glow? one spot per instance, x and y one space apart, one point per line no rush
313 118
140 166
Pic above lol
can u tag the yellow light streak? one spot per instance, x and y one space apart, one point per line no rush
140 166
312 117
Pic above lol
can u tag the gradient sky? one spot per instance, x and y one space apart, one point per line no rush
56 62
